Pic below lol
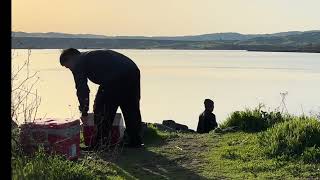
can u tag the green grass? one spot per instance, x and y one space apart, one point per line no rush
42 166
239 156
299 137
254 120
168 155
153 136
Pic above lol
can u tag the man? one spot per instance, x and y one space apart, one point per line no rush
119 80
207 120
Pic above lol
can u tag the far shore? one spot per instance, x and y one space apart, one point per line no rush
195 49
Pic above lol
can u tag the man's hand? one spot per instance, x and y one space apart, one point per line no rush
84 119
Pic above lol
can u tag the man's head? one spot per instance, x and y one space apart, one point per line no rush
67 57
209 105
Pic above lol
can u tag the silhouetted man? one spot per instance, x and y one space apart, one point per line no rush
207 120
119 80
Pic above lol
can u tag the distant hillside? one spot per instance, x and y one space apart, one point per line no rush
203 37
55 35
301 39
227 36
293 42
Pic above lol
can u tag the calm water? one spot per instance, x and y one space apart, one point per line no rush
174 83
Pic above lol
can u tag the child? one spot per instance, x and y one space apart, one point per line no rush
207 120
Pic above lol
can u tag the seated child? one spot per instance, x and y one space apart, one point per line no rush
207 120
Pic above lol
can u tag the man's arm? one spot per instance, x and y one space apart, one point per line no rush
200 127
214 121
83 91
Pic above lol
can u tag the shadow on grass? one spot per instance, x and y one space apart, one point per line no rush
142 163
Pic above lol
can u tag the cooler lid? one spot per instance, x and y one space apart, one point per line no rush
52 123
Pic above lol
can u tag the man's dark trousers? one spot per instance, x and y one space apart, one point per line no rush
124 92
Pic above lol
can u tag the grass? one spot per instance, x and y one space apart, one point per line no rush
42 166
153 136
237 155
299 137
254 120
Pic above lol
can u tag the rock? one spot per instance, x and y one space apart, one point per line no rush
181 127
169 123
217 130
169 126
176 126
164 128
158 126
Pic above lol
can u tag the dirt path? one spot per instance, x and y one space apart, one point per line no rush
178 158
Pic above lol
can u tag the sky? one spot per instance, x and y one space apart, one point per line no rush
165 17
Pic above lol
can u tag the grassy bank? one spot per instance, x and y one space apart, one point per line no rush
225 155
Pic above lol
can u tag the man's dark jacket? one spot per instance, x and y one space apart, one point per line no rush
207 122
107 68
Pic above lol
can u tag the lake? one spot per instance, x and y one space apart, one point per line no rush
174 83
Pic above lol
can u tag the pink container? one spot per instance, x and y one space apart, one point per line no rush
90 130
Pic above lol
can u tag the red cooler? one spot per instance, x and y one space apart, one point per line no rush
61 136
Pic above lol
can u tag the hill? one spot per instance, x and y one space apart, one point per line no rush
289 41
203 37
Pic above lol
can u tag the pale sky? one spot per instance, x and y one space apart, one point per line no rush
164 17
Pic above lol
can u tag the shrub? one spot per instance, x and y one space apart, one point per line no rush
253 120
292 138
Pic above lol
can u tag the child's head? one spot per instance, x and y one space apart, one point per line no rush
209 105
